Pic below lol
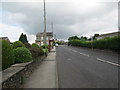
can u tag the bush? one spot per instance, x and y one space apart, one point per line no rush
35 45
7 55
17 44
45 49
27 45
22 55
44 46
36 52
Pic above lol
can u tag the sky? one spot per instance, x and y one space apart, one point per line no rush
69 18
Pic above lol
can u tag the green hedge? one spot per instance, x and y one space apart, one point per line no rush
22 55
35 45
7 55
106 43
17 44
36 52
45 48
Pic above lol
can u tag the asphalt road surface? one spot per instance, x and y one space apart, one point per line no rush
86 68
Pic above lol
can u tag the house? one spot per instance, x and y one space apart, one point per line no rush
5 38
39 38
108 35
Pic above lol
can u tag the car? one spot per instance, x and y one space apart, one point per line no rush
56 45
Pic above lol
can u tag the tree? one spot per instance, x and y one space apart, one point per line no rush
73 37
23 38
83 38
95 35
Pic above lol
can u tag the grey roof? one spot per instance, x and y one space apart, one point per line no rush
109 34
5 38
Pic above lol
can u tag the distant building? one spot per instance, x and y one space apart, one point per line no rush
108 35
5 38
39 38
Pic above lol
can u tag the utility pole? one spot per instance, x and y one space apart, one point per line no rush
44 24
91 42
52 28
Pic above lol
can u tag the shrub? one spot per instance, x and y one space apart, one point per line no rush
35 45
44 46
7 55
27 45
45 49
17 44
36 52
22 55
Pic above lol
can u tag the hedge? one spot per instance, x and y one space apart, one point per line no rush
45 48
36 52
7 55
35 45
17 44
106 43
22 55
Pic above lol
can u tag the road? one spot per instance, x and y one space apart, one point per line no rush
86 68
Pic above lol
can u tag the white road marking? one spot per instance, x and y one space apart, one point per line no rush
108 62
84 54
74 50
69 59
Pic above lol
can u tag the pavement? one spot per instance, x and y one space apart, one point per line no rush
45 76
73 67
86 68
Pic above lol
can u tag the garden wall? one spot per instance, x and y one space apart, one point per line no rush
15 76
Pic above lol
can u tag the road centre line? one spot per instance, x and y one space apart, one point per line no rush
69 59
74 50
84 54
108 62
81 53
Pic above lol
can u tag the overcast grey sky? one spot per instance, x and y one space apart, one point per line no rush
73 17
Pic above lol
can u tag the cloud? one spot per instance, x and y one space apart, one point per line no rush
68 18
10 31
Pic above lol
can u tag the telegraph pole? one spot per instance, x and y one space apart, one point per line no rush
52 28
44 24
91 42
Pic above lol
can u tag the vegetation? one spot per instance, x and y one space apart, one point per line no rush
22 55
106 43
74 38
95 36
27 45
17 44
7 55
45 49
23 38
20 51
36 52
35 45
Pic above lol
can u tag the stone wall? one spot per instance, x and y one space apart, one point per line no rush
15 76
